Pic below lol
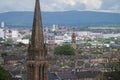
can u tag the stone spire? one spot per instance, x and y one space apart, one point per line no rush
37 29
37 63
73 42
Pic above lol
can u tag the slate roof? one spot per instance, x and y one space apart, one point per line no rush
65 75
51 76
88 74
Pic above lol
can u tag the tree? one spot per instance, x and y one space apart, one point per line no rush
27 37
97 52
9 41
61 65
80 51
3 74
4 54
1 40
86 44
64 50
20 44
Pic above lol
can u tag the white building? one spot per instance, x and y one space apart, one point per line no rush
111 35
24 41
66 38
14 34
2 24
1 33
59 40
54 27
83 33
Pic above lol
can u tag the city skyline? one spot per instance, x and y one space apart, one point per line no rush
56 5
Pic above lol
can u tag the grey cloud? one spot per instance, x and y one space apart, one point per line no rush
16 5
56 5
113 5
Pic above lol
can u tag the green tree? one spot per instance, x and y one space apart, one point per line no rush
61 65
80 51
27 37
64 50
3 74
9 41
4 54
97 52
86 44
20 44
1 40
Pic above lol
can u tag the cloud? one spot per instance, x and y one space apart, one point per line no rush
72 4
61 5
111 5
16 5
92 4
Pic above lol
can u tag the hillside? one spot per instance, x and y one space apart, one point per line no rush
71 18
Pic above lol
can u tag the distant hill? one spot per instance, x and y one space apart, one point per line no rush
70 18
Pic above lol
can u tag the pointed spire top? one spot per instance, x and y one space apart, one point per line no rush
37 29
73 34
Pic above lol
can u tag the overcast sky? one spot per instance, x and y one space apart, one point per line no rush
61 5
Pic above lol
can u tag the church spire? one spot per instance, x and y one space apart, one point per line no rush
37 63
37 29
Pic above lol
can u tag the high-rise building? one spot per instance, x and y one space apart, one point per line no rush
37 63
73 43
2 24
2 33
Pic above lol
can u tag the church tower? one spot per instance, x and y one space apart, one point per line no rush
73 43
37 63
